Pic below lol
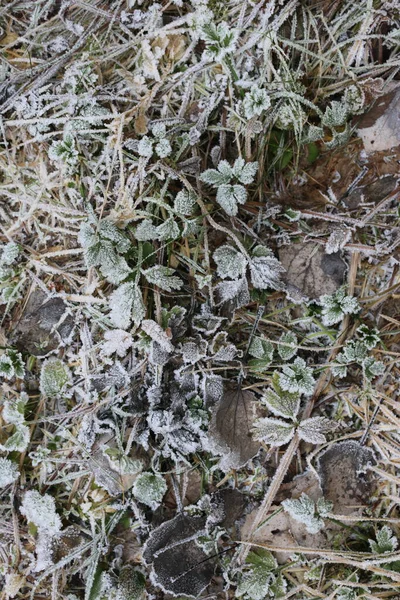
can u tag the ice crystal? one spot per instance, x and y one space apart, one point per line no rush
308 512
297 377
41 511
255 102
54 377
149 488
336 306
8 472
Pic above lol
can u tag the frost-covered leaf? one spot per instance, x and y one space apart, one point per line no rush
244 172
145 231
149 488
261 348
312 430
9 253
116 341
265 269
8 472
297 377
273 431
306 511
288 346
255 102
237 291
126 304
385 541
18 441
163 277
369 337
185 203
206 322
372 368
169 230
14 410
41 510
229 196
145 147
218 177
157 333
54 377
220 40
335 114
337 305
231 264
281 402
11 365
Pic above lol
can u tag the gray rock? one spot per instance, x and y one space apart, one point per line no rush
310 272
379 128
42 326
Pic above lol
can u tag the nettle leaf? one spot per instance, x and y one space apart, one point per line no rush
385 541
231 264
218 177
265 269
229 196
263 352
255 584
273 431
306 511
312 430
233 290
281 402
288 347
163 278
126 304
54 377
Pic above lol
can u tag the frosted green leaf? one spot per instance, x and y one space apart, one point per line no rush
372 368
337 305
255 102
273 431
385 541
312 430
244 172
369 337
8 472
126 304
13 410
218 177
230 263
297 377
145 231
261 348
288 347
54 377
145 147
308 512
41 511
149 489
131 584
265 269
11 365
168 230
9 253
255 584
163 148
114 267
229 196
335 114
281 402
18 441
110 231
185 203
220 40
157 333
65 152
163 277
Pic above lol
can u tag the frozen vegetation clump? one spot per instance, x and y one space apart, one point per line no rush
199 320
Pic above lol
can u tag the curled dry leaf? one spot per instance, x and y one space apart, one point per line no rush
229 432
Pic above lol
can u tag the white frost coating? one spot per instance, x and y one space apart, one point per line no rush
116 341
41 511
8 472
